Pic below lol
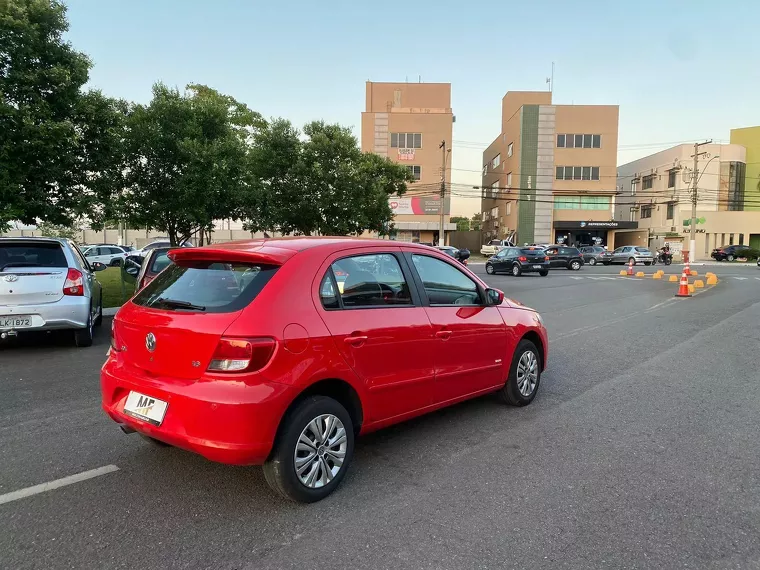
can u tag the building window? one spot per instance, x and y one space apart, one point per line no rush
741 239
509 181
647 183
597 141
671 178
495 212
560 141
579 141
509 149
587 141
577 173
646 212
485 170
582 202
670 211
496 161
634 184
406 140
415 170
494 190
509 208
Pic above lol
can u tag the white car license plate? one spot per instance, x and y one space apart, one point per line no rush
537 267
145 408
15 322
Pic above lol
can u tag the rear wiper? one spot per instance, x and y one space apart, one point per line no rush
180 304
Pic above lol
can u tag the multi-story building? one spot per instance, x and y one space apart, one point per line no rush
550 176
407 122
655 191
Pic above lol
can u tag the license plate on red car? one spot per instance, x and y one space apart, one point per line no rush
145 408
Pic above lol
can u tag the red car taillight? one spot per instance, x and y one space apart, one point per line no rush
241 354
522 258
114 342
74 284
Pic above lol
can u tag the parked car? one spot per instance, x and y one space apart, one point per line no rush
112 255
494 246
158 244
627 253
562 256
47 284
233 354
152 264
728 252
592 254
461 255
519 260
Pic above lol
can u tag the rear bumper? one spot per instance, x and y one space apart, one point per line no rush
225 421
534 267
67 313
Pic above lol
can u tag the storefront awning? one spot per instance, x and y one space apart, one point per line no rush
585 225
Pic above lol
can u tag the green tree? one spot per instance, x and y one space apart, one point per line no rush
187 158
463 224
476 222
58 145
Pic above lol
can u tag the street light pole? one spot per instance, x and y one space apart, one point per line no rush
441 231
693 222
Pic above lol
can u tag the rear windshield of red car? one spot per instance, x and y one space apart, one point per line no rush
205 286
22 254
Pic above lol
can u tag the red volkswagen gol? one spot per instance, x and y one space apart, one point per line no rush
280 351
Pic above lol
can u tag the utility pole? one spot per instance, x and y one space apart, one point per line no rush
694 181
441 231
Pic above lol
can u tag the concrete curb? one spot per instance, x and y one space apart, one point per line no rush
110 311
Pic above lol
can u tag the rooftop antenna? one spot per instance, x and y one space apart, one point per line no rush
550 80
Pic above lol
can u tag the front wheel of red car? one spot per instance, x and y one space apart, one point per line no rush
524 375
312 452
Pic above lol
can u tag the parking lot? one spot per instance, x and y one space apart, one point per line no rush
641 450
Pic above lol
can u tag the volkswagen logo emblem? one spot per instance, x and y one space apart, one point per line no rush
150 342
11 278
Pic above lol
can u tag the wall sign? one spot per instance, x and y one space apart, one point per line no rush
406 154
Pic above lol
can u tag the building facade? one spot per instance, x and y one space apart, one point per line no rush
550 176
655 191
406 122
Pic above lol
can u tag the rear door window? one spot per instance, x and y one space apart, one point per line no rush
445 284
31 255
159 262
373 280
205 286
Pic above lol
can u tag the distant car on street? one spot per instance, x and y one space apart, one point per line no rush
592 254
112 255
153 263
519 260
629 253
461 255
158 244
562 256
494 246
47 284
728 252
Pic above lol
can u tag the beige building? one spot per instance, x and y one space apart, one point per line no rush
655 192
407 122
550 176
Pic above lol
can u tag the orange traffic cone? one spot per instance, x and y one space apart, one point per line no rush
630 268
683 287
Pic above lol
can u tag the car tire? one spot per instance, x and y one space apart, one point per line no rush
574 265
516 270
631 260
99 318
528 360
154 441
83 337
592 261
544 273
490 270
605 263
280 469
647 263
730 257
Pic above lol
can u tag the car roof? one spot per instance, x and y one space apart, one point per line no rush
279 250
33 238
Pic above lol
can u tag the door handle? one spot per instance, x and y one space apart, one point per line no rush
443 335
355 340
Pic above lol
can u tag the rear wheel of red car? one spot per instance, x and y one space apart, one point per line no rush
524 376
312 452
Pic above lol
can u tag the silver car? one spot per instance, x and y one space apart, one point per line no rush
626 253
46 284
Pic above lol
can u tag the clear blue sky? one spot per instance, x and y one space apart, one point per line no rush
680 70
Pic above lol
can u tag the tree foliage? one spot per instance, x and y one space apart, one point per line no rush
186 160
463 224
58 145
476 222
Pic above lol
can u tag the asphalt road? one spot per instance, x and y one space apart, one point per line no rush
642 450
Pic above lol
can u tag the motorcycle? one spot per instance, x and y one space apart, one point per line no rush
664 258
464 255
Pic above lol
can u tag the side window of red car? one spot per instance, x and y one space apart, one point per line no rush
373 280
445 284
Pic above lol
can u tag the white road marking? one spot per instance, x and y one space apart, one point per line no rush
63 482
578 277
742 278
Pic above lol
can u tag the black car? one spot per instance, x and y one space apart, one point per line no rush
461 255
519 260
565 257
729 252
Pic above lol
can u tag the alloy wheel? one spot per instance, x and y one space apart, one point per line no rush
320 451
527 373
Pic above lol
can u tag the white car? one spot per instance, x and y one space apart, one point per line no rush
112 255
157 244
494 246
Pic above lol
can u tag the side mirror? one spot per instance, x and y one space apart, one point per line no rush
97 266
495 297
131 268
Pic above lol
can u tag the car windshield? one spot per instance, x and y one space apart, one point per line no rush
28 254
214 287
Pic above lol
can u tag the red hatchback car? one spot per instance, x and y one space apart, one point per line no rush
280 351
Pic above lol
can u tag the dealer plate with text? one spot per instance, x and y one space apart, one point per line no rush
145 408
15 321
537 267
